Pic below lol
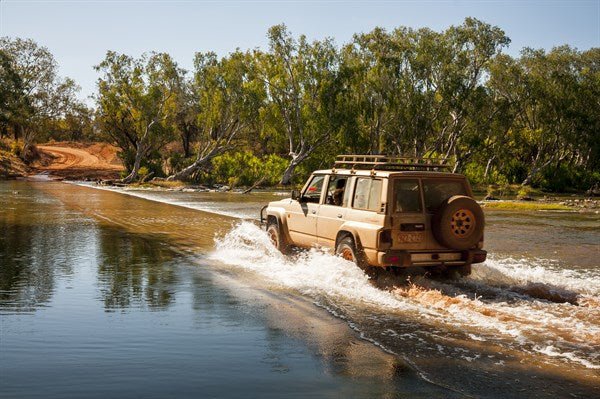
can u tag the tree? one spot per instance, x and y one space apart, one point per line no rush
136 103
227 102
417 91
44 96
11 93
301 84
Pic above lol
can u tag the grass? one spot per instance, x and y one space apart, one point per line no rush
526 206
161 183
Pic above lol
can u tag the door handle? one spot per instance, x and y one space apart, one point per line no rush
339 215
313 211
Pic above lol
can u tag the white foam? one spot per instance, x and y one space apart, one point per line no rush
555 352
521 272
314 272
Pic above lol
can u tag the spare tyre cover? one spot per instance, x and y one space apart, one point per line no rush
458 223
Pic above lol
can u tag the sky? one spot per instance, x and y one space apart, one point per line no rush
79 32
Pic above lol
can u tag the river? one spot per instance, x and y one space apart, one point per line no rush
134 293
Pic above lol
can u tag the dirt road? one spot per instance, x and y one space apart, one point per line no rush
80 161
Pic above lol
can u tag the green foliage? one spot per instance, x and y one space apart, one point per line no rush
524 192
565 178
136 103
244 168
34 100
143 172
532 120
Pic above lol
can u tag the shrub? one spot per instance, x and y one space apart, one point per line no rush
143 172
16 148
524 192
244 168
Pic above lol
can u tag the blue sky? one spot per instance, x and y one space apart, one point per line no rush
79 33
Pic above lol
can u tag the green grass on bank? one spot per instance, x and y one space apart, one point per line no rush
526 206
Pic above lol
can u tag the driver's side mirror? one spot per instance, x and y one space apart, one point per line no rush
296 195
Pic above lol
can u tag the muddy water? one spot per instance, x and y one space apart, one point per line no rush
106 295
525 324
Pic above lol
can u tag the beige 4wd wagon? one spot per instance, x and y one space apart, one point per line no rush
383 211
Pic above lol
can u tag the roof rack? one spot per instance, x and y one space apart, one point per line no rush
384 162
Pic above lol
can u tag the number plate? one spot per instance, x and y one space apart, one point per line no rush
410 237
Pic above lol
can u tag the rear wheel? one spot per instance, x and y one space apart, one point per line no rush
346 248
277 238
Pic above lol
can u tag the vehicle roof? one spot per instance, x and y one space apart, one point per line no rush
390 173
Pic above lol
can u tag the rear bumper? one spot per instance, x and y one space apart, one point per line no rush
428 258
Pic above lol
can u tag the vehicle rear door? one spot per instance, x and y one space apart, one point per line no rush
410 225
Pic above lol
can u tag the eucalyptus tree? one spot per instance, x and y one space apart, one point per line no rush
186 114
394 88
416 90
588 105
301 84
463 64
373 83
11 93
44 96
546 94
136 103
227 102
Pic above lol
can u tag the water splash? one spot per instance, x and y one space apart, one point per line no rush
314 272
513 312
533 272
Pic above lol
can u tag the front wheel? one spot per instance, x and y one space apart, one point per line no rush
277 238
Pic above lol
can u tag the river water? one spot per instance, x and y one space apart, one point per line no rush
170 294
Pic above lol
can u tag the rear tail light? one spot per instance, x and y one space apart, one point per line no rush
385 237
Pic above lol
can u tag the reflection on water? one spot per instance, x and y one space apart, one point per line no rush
103 295
134 272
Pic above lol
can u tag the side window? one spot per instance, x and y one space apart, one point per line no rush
375 195
407 196
367 194
314 189
336 191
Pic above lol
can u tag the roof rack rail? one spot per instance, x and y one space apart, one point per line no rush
385 162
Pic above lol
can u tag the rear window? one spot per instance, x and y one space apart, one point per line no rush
367 194
407 195
437 191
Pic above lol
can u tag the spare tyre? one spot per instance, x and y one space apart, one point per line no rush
458 223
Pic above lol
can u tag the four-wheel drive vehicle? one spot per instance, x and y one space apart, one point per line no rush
383 211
